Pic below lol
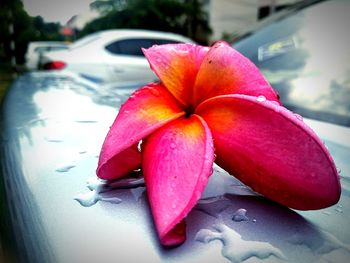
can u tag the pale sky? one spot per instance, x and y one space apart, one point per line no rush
56 10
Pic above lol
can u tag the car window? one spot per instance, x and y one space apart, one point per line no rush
307 66
58 48
133 47
41 49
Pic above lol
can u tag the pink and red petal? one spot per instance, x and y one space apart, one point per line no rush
176 160
268 148
144 112
177 65
226 71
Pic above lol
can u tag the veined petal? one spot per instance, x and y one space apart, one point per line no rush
270 149
145 111
225 71
176 160
177 65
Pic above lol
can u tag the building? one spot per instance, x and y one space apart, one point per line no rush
229 18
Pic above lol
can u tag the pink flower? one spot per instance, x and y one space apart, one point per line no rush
213 100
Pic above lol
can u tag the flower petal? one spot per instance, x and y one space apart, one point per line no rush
270 149
176 161
177 65
145 111
225 71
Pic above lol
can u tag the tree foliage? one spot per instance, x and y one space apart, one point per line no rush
178 16
25 29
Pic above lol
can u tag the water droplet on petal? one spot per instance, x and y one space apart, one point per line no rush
139 148
299 117
338 170
261 98
155 92
172 145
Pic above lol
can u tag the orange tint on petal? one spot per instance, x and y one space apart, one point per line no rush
177 160
225 71
177 65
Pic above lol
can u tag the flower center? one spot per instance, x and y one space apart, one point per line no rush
189 111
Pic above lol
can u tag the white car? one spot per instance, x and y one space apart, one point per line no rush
36 50
111 55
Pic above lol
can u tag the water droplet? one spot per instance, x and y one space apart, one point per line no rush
54 140
240 215
86 121
299 117
339 210
155 92
172 145
313 175
100 189
110 199
65 169
254 220
338 170
139 148
261 98
87 199
182 53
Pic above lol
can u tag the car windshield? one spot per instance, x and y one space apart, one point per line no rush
85 40
305 57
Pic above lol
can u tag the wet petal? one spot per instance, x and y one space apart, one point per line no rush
226 71
177 65
145 111
176 161
270 149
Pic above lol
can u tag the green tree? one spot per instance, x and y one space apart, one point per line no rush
24 29
105 6
178 16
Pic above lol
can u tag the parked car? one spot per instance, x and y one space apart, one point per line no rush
305 56
111 55
53 209
36 50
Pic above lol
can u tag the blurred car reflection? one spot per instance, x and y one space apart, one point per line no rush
305 56
53 209
111 55
36 50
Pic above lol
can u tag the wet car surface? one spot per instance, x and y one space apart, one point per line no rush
58 211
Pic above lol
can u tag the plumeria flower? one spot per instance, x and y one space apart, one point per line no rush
213 104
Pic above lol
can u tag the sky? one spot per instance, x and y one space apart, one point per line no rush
56 10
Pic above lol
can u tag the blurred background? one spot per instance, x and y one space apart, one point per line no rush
204 21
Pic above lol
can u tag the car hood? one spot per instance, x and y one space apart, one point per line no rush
52 128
